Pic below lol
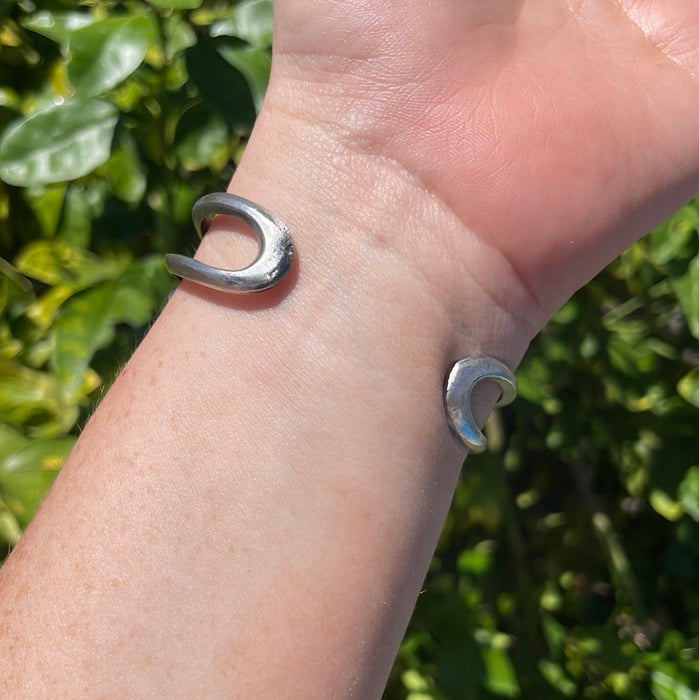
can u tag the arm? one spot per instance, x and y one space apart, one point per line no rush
262 489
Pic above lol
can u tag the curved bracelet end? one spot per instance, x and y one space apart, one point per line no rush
464 376
272 264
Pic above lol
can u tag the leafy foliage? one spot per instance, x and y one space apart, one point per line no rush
570 560
114 119
569 563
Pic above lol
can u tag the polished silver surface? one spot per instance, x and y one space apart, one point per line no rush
272 264
462 379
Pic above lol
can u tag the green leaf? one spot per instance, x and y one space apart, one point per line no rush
665 506
500 678
104 53
10 530
688 387
27 474
664 687
53 262
221 85
47 204
82 205
556 676
175 4
33 400
57 26
201 139
414 682
687 289
43 311
668 241
61 143
86 323
254 64
10 346
688 493
131 303
68 270
554 633
251 21
11 440
150 276
476 560
125 172
13 284
9 99
178 35
45 455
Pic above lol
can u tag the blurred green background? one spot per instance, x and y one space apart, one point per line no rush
569 564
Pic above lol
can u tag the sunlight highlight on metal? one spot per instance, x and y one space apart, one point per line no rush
462 379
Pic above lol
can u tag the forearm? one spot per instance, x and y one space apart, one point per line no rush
268 477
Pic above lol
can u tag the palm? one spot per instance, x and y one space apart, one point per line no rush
553 134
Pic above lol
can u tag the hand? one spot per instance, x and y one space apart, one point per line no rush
555 133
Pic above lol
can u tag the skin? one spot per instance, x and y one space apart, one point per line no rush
451 172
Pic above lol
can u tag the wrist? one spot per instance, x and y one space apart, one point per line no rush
339 380
373 238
